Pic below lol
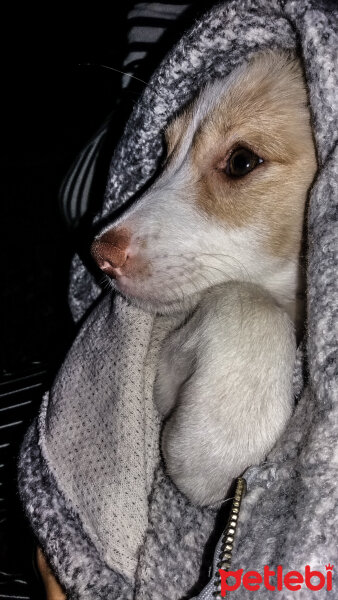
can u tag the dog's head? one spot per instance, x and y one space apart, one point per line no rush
229 202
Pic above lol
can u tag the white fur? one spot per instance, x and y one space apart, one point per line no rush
224 379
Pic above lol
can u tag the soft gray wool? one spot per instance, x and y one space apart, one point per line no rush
111 523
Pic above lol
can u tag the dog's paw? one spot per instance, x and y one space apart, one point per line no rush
191 464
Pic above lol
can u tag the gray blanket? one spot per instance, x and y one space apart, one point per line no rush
111 523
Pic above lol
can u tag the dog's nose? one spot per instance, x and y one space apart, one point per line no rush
110 250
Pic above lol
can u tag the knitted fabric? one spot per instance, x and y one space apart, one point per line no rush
110 521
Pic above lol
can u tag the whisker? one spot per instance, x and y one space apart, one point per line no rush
190 255
115 70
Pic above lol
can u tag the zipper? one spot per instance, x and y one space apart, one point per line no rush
228 536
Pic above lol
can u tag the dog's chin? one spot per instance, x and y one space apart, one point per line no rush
155 304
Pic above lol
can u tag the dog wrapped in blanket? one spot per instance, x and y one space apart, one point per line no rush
228 207
111 523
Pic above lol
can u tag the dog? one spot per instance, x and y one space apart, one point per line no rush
218 236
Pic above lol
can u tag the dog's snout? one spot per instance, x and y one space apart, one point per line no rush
110 250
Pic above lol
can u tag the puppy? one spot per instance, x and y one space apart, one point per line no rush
218 235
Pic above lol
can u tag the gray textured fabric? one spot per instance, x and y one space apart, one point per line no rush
75 484
109 399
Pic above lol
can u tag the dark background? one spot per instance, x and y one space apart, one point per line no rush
50 107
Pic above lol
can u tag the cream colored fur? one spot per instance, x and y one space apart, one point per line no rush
224 379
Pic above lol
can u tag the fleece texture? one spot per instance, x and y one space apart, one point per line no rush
110 521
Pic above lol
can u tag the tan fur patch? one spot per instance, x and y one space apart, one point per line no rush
264 110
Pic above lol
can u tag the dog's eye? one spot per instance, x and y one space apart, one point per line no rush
241 162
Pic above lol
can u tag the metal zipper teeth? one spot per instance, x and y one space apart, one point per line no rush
228 536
